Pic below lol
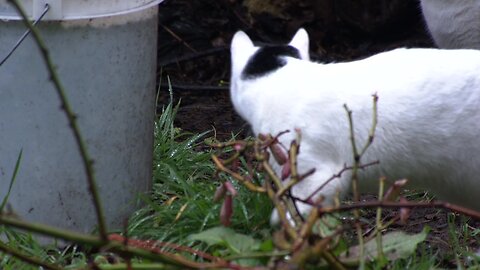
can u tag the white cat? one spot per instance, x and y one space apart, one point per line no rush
453 24
428 114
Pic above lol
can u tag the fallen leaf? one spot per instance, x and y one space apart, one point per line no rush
396 245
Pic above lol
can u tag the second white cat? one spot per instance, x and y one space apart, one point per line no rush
453 24
428 114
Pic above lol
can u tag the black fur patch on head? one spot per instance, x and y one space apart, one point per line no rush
268 59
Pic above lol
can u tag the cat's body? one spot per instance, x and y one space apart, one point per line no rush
428 115
453 24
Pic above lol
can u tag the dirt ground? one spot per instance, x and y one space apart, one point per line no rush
193 54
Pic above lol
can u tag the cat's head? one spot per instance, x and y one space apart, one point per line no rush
250 61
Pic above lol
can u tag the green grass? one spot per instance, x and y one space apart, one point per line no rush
181 202
422 260
24 242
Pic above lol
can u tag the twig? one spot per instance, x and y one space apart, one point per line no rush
295 181
371 132
268 140
192 56
87 161
283 193
333 177
251 186
294 178
258 255
230 144
51 231
356 163
387 204
282 203
287 201
179 39
196 87
378 220
27 258
327 254
320 247
151 246
332 260
306 229
155 244
115 246
356 154
281 209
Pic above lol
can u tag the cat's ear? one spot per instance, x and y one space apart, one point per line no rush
301 42
241 50
241 41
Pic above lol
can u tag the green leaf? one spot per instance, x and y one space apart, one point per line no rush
327 225
396 245
267 245
237 243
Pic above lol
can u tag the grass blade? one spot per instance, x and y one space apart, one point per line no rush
12 180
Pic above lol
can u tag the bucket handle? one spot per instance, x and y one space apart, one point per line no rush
46 8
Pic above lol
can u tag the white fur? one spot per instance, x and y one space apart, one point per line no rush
301 41
453 24
428 117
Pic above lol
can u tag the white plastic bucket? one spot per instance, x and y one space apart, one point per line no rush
105 54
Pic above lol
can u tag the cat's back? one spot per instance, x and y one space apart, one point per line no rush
388 71
404 61
428 57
